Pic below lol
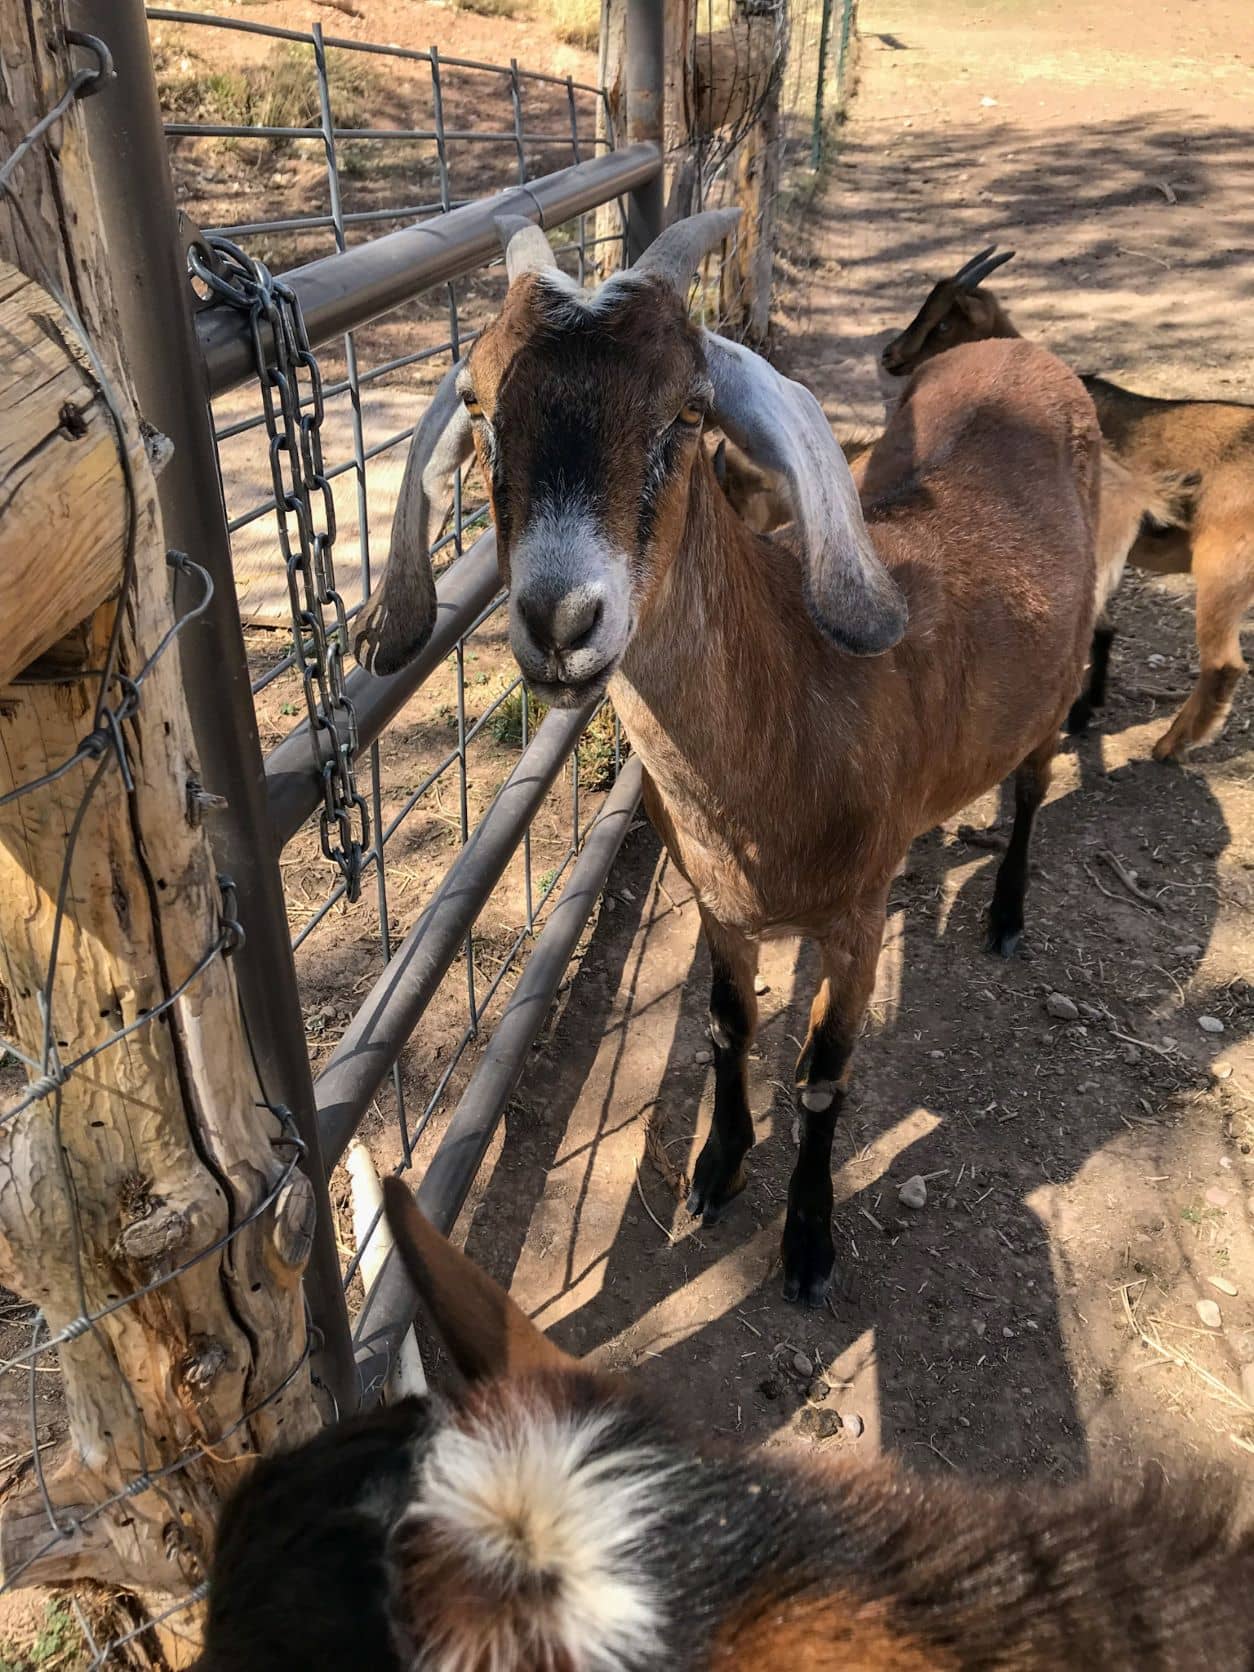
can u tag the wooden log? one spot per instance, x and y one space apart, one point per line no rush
152 1163
63 511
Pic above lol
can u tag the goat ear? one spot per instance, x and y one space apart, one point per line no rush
486 1334
396 620
780 425
719 461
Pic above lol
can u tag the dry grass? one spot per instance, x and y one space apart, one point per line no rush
578 22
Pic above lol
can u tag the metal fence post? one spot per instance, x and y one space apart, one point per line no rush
646 102
137 200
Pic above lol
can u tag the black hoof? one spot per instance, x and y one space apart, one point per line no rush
714 1182
1005 932
809 1261
1078 719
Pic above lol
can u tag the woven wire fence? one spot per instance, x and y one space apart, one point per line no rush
329 133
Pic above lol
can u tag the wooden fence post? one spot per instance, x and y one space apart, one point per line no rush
155 1170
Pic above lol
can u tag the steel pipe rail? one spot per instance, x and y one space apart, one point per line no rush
389 1309
293 781
390 1011
341 292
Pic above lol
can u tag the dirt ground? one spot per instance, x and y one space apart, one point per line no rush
1088 1182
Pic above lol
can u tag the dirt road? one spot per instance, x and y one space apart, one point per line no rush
1088 1182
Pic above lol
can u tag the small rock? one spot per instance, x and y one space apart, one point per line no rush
627 895
1189 949
1210 1024
829 1425
1092 1012
913 1193
1208 1311
1008 1332
852 1424
1169 1042
1131 1054
769 1388
760 986
1224 1285
1065 1009
936 1055
1222 1071
802 1365
979 1326
817 1391
703 1058
1086 1086
1217 1197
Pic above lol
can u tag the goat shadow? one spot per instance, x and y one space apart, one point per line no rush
948 1327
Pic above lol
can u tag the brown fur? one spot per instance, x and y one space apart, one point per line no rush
798 828
1151 438
751 1561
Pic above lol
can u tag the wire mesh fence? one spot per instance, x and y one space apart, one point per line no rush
338 129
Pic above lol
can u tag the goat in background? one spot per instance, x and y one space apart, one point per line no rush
550 1519
796 731
1208 446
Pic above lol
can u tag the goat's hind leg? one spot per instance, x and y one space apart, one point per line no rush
720 1170
822 1077
1223 565
1005 915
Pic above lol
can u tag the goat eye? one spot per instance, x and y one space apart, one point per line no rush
471 402
690 416
942 328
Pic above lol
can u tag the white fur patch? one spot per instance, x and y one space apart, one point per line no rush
568 300
544 1518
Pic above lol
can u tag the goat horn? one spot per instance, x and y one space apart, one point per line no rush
396 620
676 253
974 262
980 271
779 424
526 248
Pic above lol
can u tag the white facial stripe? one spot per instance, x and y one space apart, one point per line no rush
561 567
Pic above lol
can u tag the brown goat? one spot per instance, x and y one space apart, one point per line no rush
788 765
550 1519
1208 445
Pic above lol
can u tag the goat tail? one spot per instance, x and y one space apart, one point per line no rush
1135 502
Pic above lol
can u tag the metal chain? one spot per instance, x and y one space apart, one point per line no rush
303 501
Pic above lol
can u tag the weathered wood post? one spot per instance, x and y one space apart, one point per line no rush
155 1170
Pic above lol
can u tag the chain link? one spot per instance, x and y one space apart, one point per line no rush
303 503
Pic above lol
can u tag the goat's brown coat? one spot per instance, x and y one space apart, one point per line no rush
1213 438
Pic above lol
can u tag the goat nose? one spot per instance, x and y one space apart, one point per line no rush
561 621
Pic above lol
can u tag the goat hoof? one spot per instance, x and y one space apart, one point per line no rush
1005 933
1169 748
1077 721
1004 942
714 1184
809 1261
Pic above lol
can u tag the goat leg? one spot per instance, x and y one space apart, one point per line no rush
849 957
1223 566
720 1170
1005 915
1093 695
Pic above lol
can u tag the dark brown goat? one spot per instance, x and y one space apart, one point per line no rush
549 1519
796 730
1209 445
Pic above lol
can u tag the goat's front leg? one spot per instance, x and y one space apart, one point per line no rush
720 1170
849 957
